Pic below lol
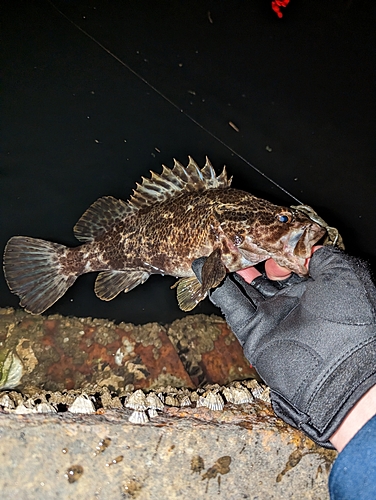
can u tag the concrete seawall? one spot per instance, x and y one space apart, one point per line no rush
51 450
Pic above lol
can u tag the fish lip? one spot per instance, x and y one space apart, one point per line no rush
311 234
298 246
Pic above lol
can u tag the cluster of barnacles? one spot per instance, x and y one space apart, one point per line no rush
140 403
144 406
212 397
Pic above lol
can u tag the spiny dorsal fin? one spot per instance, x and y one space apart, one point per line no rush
100 216
171 182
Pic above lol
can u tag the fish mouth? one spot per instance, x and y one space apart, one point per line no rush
299 246
311 235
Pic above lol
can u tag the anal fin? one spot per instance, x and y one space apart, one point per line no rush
110 283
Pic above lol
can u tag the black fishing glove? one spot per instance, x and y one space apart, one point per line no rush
313 341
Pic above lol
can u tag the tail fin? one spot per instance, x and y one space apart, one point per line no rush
34 272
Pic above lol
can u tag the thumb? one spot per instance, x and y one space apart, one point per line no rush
276 272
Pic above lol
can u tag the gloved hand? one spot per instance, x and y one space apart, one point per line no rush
313 341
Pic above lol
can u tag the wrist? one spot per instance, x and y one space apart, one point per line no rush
356 418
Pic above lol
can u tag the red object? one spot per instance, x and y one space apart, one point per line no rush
277 4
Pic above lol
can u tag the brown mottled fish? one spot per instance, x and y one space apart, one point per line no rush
172 219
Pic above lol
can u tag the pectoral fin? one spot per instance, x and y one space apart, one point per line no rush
190 291
213 271
110 283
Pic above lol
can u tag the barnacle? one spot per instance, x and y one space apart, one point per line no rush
137 401
201 402
185 401
214 401
138 417
6 402
11 369
82 404
228 394
161 396
171 400
45 408
237 394
255 388
242 395
154 402
22 409
265 395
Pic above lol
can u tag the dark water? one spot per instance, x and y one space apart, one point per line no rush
77 125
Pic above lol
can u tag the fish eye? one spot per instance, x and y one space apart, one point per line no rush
284 217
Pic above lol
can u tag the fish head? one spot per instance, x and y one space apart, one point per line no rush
283 234
295 245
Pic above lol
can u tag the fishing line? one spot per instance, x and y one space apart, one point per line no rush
140 77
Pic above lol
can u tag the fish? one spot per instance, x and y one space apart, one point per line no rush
171 219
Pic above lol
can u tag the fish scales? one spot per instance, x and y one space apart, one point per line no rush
170 220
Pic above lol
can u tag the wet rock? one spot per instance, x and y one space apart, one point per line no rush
209 350
59 353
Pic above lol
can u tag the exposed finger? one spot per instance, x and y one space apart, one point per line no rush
316 247
249 274
276 272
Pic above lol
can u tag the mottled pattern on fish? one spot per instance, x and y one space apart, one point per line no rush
171 219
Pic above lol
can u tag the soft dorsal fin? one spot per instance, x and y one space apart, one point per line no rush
100 216
170 182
